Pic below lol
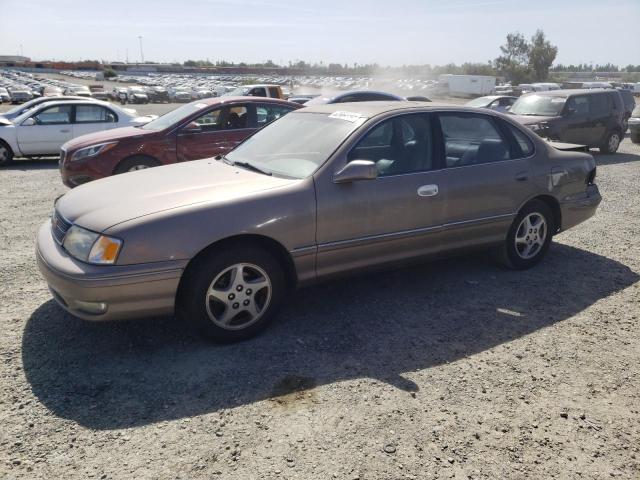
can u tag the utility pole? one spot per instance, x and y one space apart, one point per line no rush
126 55
21 52
141 54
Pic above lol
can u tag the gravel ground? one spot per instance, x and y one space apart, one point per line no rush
454 369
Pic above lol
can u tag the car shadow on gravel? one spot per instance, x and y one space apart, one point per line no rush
381 326
50 163
615 158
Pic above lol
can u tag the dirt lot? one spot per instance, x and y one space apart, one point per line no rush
455 369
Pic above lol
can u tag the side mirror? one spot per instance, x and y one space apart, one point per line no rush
571 111
356 170
191 127
28 122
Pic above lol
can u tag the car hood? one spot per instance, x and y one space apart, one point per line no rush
106 136
5 121
105 203
531 119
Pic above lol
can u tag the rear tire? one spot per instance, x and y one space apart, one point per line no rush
611 143
528 238
232 294
137 162
6 154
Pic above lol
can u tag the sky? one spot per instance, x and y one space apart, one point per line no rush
389 32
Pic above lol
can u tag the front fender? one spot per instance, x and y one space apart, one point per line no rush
8 135
285 215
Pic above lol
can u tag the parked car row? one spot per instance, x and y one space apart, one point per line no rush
322 191
201 129
43 128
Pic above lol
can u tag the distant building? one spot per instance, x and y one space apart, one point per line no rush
10 59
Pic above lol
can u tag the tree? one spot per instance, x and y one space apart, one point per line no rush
110 73
514 61
541 56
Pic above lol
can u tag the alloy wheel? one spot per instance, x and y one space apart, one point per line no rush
238 296
531 235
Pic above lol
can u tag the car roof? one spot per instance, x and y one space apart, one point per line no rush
572 91
372 109
250 99
363 92
253 85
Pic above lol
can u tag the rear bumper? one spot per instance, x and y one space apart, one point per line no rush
128 291
581 207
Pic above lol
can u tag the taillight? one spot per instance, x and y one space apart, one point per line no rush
591 178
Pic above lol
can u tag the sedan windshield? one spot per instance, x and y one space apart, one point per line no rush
538 105
174 116
295 145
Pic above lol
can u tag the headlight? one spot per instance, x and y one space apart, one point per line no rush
93 150
91 247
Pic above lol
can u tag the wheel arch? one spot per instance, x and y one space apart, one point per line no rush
269 244
12 150
134 155
554 206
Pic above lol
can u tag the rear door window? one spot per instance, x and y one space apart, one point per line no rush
471 139
599 104
94 114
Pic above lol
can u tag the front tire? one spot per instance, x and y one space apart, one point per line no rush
138 162
6 154
529 237
232 294
611 143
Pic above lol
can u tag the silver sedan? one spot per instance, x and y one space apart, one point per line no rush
323 191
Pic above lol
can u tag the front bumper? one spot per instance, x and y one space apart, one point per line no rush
78 172
581 207
129 291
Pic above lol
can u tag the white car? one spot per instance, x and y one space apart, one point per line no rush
45 128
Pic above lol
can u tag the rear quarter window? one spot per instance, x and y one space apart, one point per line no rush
524 143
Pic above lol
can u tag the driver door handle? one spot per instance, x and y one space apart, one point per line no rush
66 130
428 191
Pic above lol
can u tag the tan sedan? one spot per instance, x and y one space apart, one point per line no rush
323 191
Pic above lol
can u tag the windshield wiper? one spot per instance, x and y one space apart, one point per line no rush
223 158
251 166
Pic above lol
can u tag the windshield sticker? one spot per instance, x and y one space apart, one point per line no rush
352 117
558 100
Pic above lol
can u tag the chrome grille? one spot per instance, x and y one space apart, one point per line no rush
59 227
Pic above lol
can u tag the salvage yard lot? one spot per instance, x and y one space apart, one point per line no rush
455 368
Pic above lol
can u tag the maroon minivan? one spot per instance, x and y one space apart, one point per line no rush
200 129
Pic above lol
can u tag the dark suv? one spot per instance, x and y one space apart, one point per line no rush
595 118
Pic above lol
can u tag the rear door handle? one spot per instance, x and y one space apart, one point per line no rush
522 177
428 191
65 131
